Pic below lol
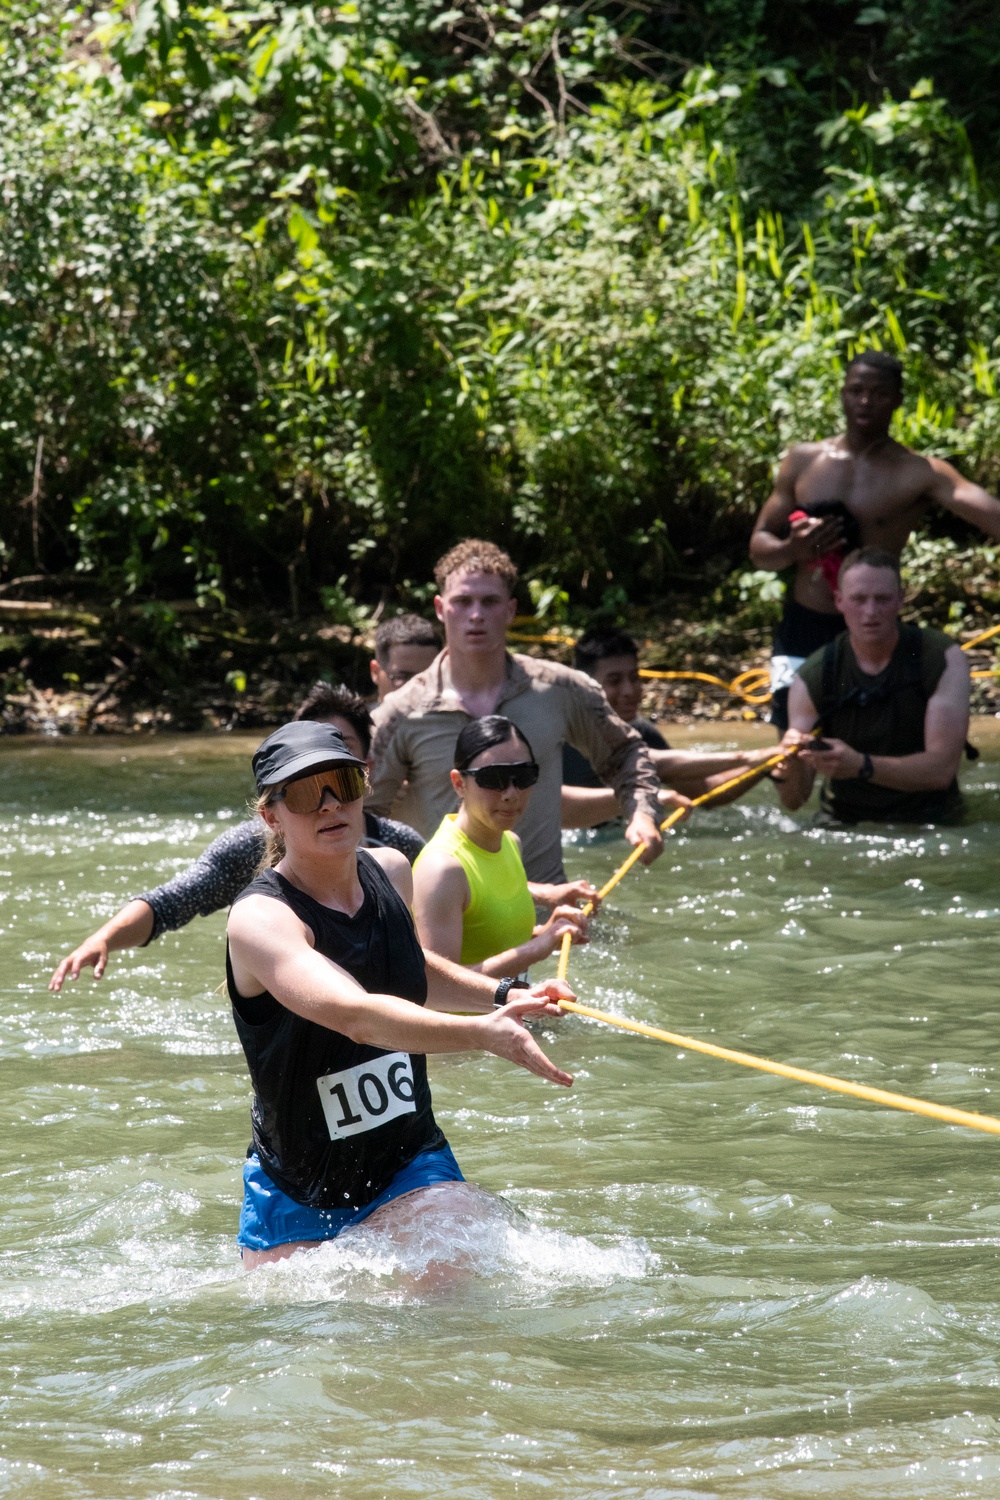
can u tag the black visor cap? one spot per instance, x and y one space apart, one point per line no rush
296 749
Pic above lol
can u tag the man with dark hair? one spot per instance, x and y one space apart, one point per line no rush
417 726
859 489
404 646
611 657
891 702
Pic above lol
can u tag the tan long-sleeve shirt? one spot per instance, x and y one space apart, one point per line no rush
417 726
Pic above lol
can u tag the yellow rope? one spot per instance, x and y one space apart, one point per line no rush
748 685
553 638
667 823
753 685
984 635
800 1075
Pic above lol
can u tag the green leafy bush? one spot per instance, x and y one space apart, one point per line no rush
294 297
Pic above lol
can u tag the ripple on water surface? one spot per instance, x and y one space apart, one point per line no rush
679 1279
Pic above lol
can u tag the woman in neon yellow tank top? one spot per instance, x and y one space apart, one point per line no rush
470 894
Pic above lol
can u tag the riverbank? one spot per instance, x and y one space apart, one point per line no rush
156 668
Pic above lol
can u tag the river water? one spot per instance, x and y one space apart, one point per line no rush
700 1281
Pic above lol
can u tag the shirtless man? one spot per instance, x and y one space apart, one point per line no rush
881 490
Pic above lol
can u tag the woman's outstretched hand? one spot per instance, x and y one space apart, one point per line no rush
129 928
505 1034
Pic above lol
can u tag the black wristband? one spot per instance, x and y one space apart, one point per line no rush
867 769
504 988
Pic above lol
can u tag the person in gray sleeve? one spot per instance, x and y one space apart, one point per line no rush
231 861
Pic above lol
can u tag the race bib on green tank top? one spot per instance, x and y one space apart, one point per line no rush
367 1095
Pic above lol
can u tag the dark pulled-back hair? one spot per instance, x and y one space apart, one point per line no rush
869 557
483 734
887 365
323 700
603 641
404 630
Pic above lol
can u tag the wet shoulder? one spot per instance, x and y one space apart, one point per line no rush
934 648
381 896
913 473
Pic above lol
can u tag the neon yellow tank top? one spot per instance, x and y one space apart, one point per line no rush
500 913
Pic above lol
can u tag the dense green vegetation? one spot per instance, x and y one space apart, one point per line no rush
294 296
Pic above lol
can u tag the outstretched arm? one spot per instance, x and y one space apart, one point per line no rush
270 950
965 499
694 773
583 806
211 882
132 927
795 778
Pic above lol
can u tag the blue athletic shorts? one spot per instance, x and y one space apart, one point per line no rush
269 1217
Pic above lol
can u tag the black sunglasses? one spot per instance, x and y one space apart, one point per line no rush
521 774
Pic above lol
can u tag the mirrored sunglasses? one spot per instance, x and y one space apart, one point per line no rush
522 774
305 794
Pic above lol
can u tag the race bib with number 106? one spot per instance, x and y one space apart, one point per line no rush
367 1095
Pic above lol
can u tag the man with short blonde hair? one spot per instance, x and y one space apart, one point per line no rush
416 727
891 702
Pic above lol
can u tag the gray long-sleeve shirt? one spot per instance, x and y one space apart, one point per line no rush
229 864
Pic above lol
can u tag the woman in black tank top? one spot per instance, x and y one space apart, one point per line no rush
336 1006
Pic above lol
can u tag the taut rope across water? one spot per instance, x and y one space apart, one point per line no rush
941 1112
801 1075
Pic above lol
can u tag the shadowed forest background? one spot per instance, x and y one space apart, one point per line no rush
292 297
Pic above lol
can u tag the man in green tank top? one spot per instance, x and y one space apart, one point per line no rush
891 705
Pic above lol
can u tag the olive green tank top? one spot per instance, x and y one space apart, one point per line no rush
883 715
500 913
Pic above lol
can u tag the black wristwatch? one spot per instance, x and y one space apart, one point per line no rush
504 988
867 769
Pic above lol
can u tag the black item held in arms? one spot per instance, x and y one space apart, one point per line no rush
825 510
907 674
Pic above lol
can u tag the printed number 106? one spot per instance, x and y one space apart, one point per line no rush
372 1093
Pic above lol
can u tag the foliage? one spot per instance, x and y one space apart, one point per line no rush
293 297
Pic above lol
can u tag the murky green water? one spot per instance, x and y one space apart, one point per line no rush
717 1283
